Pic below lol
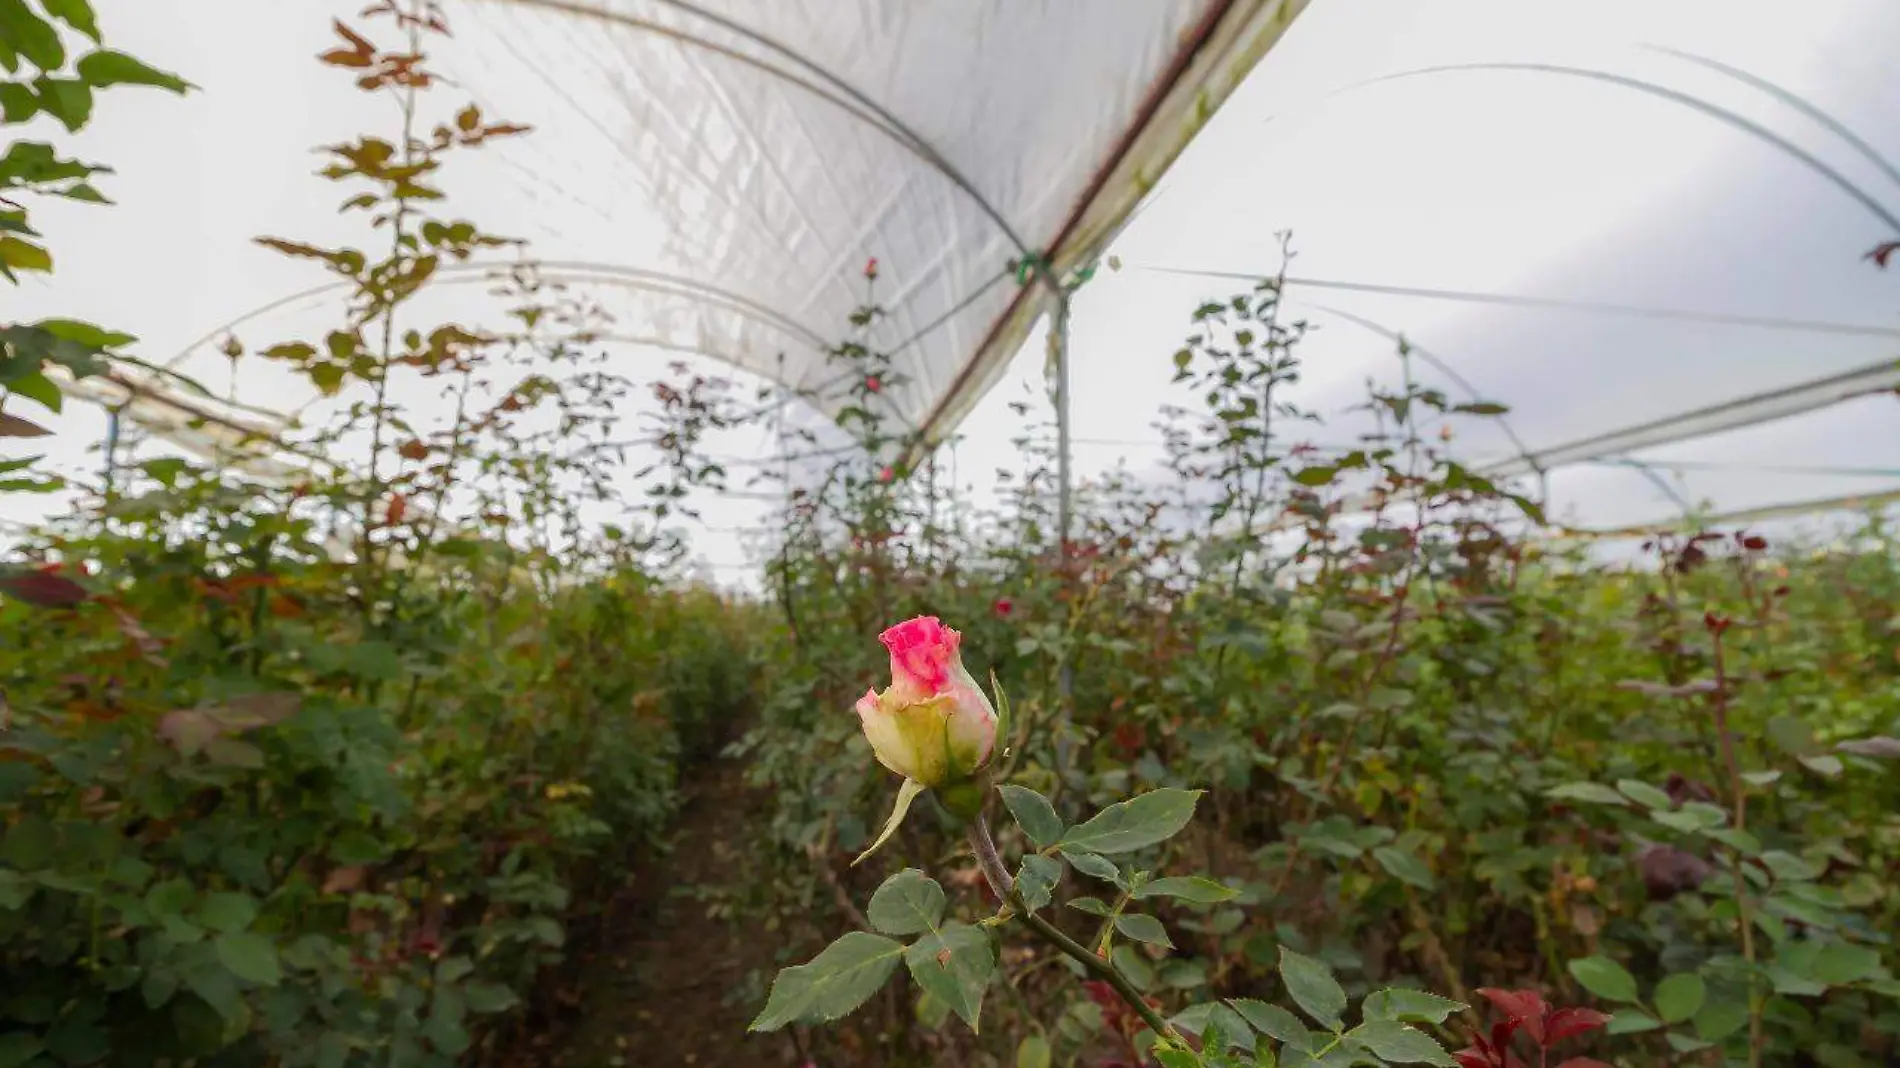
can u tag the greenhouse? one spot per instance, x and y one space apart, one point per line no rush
949 532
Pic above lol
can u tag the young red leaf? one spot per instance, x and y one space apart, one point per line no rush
1515 1004
1565 1023
44 591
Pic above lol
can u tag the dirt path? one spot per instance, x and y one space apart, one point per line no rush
663 983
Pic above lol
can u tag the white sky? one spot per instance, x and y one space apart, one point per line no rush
1498 181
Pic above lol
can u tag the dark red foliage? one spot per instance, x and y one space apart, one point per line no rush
1528 1012
1668 871
1883 252
44 589
1680 788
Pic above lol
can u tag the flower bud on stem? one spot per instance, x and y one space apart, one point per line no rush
991 864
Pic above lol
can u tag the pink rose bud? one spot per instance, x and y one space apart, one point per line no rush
873 384
934 725
870 268
885 476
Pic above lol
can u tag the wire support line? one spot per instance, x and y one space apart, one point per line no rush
1806 326
854 102
1820 118
1676 96
1739 413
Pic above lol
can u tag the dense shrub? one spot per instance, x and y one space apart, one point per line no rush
237 819
316 770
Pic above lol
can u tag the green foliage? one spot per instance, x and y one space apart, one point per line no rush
1133 824
34 169
266 798
836 981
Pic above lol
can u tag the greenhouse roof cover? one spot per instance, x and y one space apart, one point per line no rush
723 170
1644 227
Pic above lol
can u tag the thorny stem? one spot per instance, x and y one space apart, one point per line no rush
991 862
1745 914
380 417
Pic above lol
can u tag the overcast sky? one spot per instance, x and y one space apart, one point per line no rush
1494 180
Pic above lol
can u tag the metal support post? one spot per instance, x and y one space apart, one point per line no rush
1065 523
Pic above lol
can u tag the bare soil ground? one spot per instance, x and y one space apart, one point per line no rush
661 981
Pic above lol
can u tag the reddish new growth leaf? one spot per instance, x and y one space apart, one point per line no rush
1883 252
1527 1011
44 589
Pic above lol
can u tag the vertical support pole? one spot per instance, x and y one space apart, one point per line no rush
112 448
1065 476
1065 522
930 499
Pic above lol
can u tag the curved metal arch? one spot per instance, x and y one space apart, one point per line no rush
654 342
1695 103
1821 118
1437 363
463 273
856 103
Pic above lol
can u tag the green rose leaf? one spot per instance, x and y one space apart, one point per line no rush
1680 996
107 67
250 957
75 13
1143 929
1212 1017
1595 793
1396 1043
1034 1052
1605 978
1313 988
1034 814
486 997
1629 1022
227 912
1037 880
19 1047
954 966
1645 795
30 36
1405 867
1721 1018
833 984
1096 867
1274 1022
1408 1006
1137 823
909 902
1838 964
1187 888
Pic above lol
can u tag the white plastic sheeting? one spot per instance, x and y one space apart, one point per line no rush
720 171
1679 312
1657 258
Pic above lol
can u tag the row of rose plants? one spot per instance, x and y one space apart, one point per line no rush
1432 746
323 770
